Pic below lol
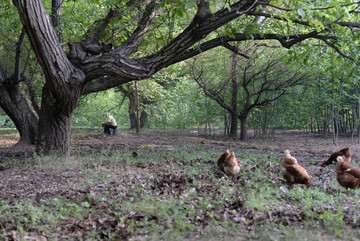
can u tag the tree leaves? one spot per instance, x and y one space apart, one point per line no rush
301 12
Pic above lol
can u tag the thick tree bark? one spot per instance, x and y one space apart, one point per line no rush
115 64
63 85
15 104
55 122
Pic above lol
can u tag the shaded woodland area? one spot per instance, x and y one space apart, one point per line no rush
276 50
185 80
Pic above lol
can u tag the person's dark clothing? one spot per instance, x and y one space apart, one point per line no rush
107 128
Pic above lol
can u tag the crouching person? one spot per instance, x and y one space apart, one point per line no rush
109 124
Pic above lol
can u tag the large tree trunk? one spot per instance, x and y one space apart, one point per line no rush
15 104
64 82
55 121
13 100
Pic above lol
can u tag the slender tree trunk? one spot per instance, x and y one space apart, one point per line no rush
132 106
137 108
233 125
226 125
15 104
132 111
234 97
333 112
358 96
358 114
243 131
56 16
338 114
312 117
353 123
144 119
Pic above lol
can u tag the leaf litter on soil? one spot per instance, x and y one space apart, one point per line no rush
172 189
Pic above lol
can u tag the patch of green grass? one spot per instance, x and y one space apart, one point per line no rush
40 217
281 232
266 198
8 131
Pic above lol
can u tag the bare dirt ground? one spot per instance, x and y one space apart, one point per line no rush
302 145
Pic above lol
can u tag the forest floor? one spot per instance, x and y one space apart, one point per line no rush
165 185
303 145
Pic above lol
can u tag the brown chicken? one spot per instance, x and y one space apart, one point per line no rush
348 176
293 172
346 153
231 165
221 161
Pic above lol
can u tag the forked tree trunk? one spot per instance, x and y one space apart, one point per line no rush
64 81
133 111
133 120
15 104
